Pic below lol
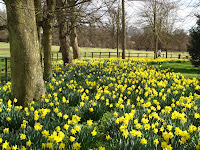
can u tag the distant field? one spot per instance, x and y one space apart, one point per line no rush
4 50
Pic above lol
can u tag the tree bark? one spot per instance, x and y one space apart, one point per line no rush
118 28
63 32
38 14
73 33
113 35
123 31
47 38
74 43
155 30
26 71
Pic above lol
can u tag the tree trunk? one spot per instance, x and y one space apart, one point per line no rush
26 71
73 33
63 32
38 14
74 43
65 47
156 46
47 42
118 28
123 31
113 36
155 30
47 38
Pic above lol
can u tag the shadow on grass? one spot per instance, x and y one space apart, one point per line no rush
182 70
185 68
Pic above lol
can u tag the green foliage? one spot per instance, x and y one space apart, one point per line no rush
194 44
185 68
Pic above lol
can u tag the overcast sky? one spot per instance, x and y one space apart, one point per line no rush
186 12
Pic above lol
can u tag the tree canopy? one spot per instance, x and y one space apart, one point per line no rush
194 44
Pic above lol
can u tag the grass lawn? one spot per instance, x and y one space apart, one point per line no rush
4 50
185 68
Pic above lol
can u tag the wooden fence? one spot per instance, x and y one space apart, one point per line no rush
129 55
5 65
4 61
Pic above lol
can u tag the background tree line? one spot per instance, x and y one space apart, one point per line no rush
91 30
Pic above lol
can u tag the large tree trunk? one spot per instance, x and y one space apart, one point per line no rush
73 35
47 38
26 71
47 42
63 32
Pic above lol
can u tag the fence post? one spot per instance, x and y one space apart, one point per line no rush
92 55
138 55
6 67
146 54
57 56
171 55
41 59
100 54
85 54
52 56
129 54
119 54
179 56
109 54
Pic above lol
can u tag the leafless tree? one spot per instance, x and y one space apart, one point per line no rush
158 14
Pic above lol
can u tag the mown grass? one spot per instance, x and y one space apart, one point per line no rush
185 68
4 50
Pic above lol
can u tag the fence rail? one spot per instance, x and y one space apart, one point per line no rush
5 64
129 55
4 70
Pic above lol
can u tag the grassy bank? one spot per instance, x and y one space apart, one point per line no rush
185 68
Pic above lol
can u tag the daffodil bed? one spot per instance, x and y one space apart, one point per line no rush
109 104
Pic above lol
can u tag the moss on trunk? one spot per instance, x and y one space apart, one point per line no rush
47 37
26 72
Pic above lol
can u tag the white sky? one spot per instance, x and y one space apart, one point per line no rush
1 5
186 12
185 15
